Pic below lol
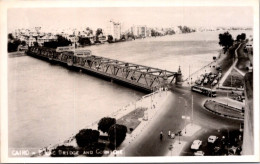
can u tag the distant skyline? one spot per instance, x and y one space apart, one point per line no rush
62 18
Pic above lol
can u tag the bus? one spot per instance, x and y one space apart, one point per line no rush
204 91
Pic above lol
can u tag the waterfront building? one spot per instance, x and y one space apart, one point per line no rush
46 38
139 31
31 41
148 32
114 29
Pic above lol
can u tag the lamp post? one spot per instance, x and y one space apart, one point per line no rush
170 148
179 137
185 117
227 98
223 137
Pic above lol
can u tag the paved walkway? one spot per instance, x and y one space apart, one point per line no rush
180 142
151 101
157 100
223 110
230 69
242 73
230 102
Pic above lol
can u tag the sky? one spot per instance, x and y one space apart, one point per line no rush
53 18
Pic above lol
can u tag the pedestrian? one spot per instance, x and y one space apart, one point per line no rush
169 133
161 135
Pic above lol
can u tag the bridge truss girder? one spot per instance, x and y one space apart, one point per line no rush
148 77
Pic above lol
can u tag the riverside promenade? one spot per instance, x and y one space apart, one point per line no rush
153 102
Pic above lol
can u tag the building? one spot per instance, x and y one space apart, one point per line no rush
139 31
148 32
31 41
248 135
46 38
114 29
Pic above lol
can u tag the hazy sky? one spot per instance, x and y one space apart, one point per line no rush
50 18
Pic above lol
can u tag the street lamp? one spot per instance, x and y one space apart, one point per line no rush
228 141
170 148
179 137
185 117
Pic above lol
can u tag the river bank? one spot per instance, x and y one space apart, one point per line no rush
16 54
150 102
41 87
145 103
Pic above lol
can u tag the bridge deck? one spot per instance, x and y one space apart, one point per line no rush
148 78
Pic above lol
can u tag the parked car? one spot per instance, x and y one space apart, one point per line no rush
196 144
205 81
214 82
198 82
172 136
211 77
201 78
212 139
199 153
218 68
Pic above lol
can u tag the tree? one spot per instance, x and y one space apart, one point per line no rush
225 40
35 44
61 42
243 36
170 32
98 32
10 36
130 35
13 45
238 37
23 43
89 31
122 37
105 123
84 41
110 38
154 33
116 135
86 137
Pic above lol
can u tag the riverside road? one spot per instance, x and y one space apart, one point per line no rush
148 142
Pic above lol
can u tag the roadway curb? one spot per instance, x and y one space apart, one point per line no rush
220 114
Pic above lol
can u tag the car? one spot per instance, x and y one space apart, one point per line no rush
199 153
172 135
214 82
205 81
196 144
198 82
212 139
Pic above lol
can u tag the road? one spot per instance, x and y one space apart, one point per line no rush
231 68
148 142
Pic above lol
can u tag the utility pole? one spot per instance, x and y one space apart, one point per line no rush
191 109
189 76
185 115
227 98
231 82
211 91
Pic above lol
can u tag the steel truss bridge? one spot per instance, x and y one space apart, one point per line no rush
144 77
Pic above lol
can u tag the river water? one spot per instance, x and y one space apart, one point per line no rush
48 103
